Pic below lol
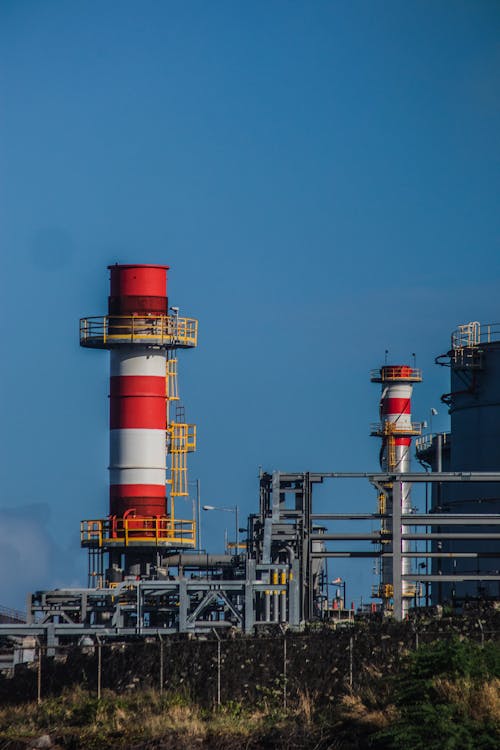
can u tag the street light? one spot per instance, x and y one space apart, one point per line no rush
228 510
340 582
197 510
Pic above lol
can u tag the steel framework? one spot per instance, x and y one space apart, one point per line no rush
276 582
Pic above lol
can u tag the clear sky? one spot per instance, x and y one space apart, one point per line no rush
323 180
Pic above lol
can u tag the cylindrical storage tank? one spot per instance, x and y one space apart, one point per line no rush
474 406
434 451
137 397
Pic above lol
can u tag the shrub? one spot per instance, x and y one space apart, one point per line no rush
434 718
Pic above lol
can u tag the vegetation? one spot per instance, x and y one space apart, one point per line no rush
446 696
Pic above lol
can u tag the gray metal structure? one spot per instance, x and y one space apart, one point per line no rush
474 406
277 581
433 453
153 587
475 528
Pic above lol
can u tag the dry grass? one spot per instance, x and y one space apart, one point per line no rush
121 721
144 716
307 702
365 712
185 720
478 702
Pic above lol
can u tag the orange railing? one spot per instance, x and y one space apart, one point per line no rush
391 373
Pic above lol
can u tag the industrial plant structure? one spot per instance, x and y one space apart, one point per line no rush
472 445
147 573
396 430
142 337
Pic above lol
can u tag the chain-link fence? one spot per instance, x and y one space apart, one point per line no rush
273 669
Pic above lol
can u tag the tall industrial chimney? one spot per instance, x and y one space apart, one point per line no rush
396 431
141 337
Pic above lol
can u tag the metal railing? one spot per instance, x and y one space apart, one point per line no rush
156 330
392 373
181 440
384 429
182 437
473 334
426 441
7 614
137 530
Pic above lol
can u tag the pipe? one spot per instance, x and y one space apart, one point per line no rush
200 561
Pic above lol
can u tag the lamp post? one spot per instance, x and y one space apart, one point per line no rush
197 510
340 582
234 510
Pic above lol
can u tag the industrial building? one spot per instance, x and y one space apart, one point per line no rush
472 445
147 574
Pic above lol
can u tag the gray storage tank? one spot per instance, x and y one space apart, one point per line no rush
474 407
434 452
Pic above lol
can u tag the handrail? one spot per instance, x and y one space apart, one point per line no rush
391 373
171 331
7 614
397 430
425 442
103 532
473 334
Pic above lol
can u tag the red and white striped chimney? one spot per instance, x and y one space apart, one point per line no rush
395 413
137 395
396 431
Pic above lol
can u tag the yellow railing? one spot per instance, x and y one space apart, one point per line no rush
386 591
393 373
382 591
171 380
181 441
182 437
411 590
383 429
157 330
133 530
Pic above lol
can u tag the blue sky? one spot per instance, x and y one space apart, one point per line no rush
323 180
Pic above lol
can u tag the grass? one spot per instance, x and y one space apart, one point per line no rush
446 696
78 719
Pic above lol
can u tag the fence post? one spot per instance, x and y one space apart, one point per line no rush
39 674
99 667
482 631
218 665
351 647
284 673
161 663
283 630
